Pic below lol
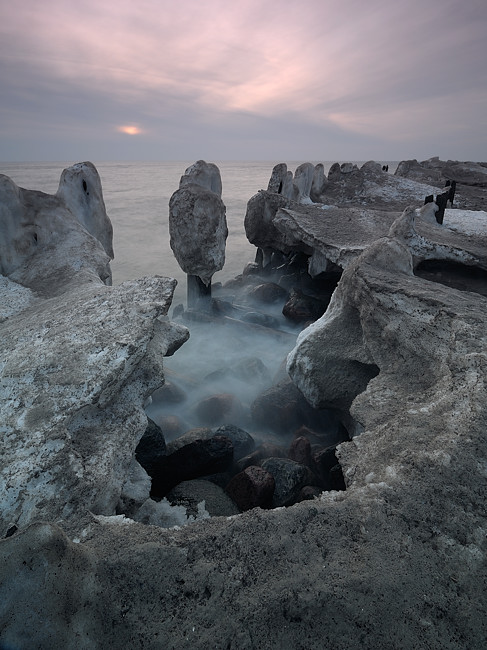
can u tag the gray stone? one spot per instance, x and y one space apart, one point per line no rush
198 230
47 241
191 493
205 174
76 371
289 478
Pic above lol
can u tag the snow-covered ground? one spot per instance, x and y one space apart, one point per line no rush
470 222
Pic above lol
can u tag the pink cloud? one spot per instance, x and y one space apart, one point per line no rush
353 64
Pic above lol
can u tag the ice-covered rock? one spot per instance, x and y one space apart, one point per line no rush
49 240
197 222
205 174
78 358
379 308
303 180
437 172
75 372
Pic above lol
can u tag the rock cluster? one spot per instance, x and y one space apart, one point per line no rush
264 475
397 560
78 358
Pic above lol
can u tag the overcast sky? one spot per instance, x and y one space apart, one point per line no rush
246 80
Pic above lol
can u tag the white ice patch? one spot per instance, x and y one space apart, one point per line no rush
469 222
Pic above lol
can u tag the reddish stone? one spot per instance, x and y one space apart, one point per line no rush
219 409
300 451
252 488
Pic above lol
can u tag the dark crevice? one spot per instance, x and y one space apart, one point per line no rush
454 274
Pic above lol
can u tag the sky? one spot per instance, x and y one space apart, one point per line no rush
317 80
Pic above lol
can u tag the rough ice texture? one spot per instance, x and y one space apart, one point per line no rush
332 235
77 358
74 374
48 240
398 560
205 174
198 230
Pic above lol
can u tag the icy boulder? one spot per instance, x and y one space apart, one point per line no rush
75 372
197 223
78 359
48 240
205 174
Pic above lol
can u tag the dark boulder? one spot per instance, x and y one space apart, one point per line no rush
194 460
301 308
218 409
268 293
151 448
252 488
300 451
289 477
191 493
266 450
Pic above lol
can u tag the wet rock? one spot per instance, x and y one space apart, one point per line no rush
250 370
268 293
194 460
278 408
252 488
301 308
191 493
263 451
300 451
289 478
242 442
169 393
224 408
283 409
151 448
171 425
198 433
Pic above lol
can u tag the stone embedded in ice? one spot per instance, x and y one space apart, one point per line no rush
48 240
198 230
303 179
205 174
80 189
281 181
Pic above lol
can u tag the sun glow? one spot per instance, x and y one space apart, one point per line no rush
129 129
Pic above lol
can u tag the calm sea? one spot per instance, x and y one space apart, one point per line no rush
137 201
